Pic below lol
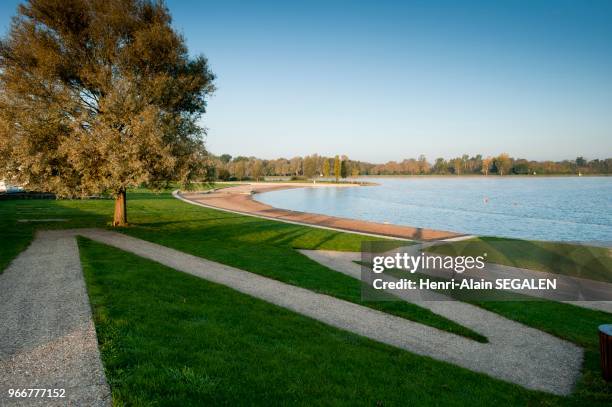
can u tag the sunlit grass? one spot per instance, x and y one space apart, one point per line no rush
172 339
560 258
267 248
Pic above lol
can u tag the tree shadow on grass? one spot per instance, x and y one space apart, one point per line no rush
286 238
17 236
149 195
161 224
255 232
316 246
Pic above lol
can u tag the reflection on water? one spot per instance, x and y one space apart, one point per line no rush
555 208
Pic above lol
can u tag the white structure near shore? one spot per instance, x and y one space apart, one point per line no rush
4 187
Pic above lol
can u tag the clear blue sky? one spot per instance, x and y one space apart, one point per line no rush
387 80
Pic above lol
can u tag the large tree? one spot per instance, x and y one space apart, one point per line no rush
344 168
503 163
310 166
97 96
486 165
326 169
337 168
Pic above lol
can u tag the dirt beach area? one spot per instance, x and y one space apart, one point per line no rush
240 199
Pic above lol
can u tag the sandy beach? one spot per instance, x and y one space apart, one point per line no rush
240 199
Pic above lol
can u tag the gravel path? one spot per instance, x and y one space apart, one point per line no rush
47 337
50 289
515 352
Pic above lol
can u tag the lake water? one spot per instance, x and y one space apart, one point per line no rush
543 208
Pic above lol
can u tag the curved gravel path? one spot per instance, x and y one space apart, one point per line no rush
517 354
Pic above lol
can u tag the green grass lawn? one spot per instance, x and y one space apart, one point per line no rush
147 337
258 245
15 236
177 340
575 324
590 262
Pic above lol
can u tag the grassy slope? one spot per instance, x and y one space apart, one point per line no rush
16 236
218 235
261 246
179 340
575 324
573 260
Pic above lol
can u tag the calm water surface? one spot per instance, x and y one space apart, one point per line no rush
562 209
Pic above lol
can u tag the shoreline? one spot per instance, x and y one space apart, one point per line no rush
512 176
238 199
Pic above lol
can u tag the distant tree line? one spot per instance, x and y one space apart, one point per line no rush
225 167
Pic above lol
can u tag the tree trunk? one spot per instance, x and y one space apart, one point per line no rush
120 218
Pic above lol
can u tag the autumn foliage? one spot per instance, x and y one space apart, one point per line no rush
97 96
